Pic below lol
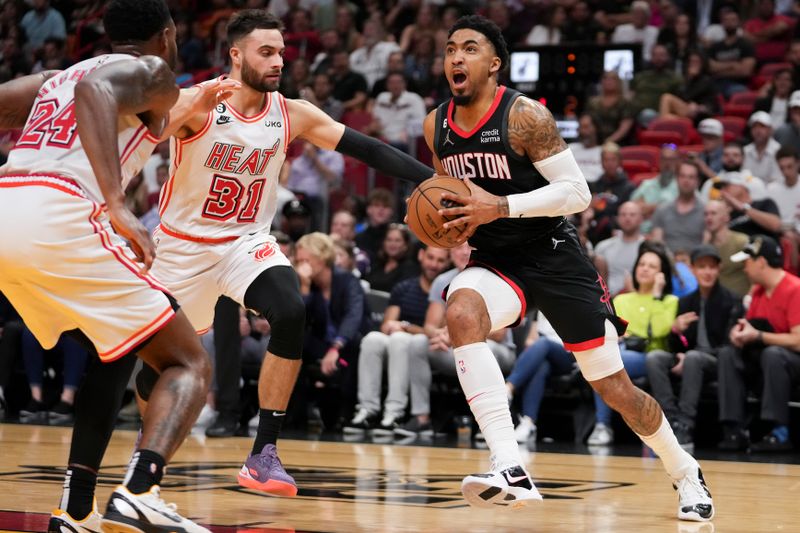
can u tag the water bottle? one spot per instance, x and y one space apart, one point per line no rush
464 431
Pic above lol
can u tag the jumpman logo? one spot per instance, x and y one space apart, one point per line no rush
447 139
556 242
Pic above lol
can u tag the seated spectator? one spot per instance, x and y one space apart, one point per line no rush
337 317
40 22
769 32
349 87
544 355
296 218
370 59
786 191
345 27
312 174
380 211
321 95
74 366
329 41
191 49
733 161
700 329
663 189
301 38
762 343
52 56
549 31
621 250
12 60
638 30
587 150
697 97
679 224
612 111
398 113
650 311
789 133
581 27
419 62
426 23
709 161
395 260
759 155
403 319
609 192
747 215
732 60
650 84
395 63
296 77
776 101
680 38
717 216
433 350
343 227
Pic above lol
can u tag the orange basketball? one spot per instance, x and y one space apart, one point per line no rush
423 211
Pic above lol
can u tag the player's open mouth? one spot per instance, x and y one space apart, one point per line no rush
459 79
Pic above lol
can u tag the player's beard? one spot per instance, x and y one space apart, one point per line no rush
252 78
462 99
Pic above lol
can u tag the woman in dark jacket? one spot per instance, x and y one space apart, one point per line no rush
337 317
776 102
698 98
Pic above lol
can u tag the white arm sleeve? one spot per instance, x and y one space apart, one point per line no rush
566 193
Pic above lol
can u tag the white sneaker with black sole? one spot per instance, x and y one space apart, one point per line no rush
511 486
387 426
144 513
694 498
362 422
62 522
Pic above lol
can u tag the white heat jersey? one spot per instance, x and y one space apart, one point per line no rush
223 179
50 142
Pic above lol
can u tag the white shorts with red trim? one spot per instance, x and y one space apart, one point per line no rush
502 301
198 273
63 268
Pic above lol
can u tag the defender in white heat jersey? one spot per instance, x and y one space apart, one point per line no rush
65 267
217 208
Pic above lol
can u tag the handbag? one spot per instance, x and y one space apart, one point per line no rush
635 343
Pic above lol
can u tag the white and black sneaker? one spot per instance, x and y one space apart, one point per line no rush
362 422
62 522
387 426
694 498
144 513
511 486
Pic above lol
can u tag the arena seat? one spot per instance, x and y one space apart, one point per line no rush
741 104
635 166
638 178
683 126
659 138
734 127
650 154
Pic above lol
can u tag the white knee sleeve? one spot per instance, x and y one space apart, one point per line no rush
501 300
602 361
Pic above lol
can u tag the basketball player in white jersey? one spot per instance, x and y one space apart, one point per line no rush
217 208
65 269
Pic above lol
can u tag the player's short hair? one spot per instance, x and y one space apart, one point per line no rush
488 29
131 21
246 21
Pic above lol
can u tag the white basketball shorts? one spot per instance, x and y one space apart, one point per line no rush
63 268
198 273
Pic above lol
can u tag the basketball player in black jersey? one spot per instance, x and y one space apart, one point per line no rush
524 179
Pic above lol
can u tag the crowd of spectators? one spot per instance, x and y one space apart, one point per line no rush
690 162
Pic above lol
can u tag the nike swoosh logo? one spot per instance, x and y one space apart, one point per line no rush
511 480
278 414
172 517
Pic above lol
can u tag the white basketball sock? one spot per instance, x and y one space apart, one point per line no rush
485 390
677 461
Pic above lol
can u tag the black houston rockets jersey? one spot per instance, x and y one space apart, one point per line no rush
485 156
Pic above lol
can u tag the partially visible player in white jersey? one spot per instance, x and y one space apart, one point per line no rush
217 208
65 267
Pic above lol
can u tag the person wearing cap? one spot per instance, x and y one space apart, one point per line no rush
704 319
717 216
766 339
789 133
747 215
679 224
296 218
710 159
759 155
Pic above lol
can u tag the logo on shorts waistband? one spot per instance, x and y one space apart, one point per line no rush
262 252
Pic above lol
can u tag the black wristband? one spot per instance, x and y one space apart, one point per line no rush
382 157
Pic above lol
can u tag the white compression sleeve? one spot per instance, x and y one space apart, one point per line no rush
566 193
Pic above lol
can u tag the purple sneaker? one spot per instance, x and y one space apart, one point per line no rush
265 472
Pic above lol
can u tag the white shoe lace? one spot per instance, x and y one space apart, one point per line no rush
691 490
155 495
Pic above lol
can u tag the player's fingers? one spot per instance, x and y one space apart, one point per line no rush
454 211
450 197
456 222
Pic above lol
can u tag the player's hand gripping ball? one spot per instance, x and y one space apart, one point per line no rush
423 211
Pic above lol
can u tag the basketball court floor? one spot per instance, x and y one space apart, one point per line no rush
358 486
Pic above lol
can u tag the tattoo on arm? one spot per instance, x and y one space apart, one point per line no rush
532 130
502 206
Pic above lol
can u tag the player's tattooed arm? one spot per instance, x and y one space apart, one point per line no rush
532 130
17 97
